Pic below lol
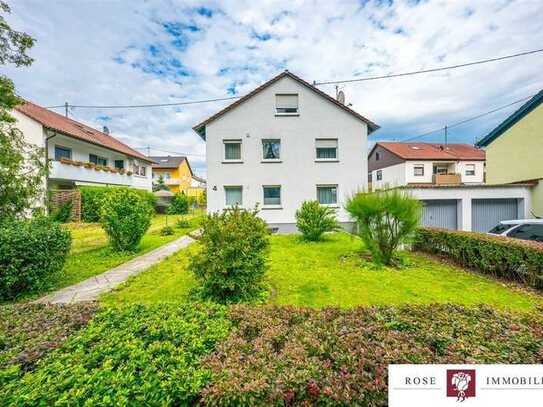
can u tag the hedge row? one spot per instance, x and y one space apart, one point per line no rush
246 356
92 198
512 259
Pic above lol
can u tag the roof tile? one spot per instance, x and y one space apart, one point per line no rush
432 151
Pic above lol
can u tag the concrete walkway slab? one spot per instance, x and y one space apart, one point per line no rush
91 288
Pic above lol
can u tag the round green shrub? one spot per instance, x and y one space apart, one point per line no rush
313 219
179 204
231 265
126 216
32 254
167 231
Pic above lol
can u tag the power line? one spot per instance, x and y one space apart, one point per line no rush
371 78
468 119
396 75
148 148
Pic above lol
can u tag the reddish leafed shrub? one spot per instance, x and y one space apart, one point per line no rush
290 356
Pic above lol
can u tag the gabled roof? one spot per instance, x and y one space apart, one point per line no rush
80 131
432 151
170 162
200 128
512 120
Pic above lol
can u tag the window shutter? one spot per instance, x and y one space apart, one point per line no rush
326 143
286 101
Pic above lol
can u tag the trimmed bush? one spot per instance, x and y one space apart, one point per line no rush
331 357
512 259
313 219
384 219
32 254
127 356
126 216
231 265
179 204
92 198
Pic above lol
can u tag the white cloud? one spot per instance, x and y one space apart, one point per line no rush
79 46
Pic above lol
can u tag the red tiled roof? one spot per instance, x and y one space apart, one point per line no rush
431 151
371 125
77 130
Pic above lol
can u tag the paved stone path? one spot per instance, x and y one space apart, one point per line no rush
90 289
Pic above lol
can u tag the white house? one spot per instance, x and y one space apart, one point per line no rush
79 154
281 144
396 164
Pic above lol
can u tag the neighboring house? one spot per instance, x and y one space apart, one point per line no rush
283 143
177 175
514 150
393 164
79 154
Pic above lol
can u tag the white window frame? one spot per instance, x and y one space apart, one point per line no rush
297 113
272 206
65 149
336 159
226 204
332 205
470 168
232 141
271 160
418 166
379 175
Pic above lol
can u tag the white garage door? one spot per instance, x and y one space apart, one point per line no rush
440 213
487 213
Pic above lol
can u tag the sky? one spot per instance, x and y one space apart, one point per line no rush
118 52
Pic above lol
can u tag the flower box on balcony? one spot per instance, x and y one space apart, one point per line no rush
89 165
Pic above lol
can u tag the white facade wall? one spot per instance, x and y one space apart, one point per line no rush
393 176
464 196
297 172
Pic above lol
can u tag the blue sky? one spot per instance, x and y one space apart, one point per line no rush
139 52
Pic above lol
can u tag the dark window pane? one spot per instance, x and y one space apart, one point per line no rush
271 149
272 195
61 152
528 232
500 228
326 152
119 164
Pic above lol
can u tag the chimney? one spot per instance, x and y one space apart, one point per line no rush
105 130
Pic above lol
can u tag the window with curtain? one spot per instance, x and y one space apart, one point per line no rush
326 149
271 149
327 194
470 169
93 158
272 195
62 152
286 104
418 170
232 149
233 195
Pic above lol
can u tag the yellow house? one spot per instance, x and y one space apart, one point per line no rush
514 150
177 175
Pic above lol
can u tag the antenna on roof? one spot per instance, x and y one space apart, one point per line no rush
445 135
105 129
66 108
340 95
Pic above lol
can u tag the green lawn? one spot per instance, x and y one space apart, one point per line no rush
90 254
335 272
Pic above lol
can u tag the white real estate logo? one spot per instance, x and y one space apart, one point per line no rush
465 385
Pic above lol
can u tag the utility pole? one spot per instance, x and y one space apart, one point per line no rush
445 135
148 151
66 108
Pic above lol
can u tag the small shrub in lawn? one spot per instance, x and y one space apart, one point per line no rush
313 219
127 356
32 254
167 231
63 213
126 216
512 259
384 219
179 204
183 224
231 265
333 357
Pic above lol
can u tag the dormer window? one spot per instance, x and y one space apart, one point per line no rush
286 104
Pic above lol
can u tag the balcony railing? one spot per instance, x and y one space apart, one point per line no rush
172 181
85 172
446 179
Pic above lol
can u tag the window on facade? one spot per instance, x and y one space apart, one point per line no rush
233 195
93 158
139 169
418 170
119 164
326 149
232 150
327 194
377 156
379 175
286 104
271 149
441 169
272 195
62 152
470 169
528 232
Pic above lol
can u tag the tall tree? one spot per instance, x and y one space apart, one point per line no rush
22 165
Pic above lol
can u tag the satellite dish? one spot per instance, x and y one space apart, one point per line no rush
341 97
